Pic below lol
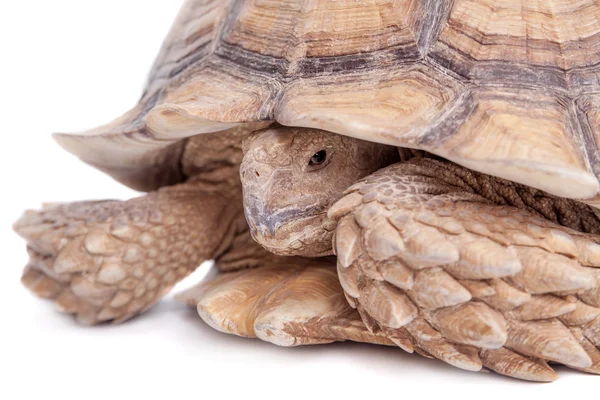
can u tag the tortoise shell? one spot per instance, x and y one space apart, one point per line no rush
507 88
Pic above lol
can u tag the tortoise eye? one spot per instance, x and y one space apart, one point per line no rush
318 158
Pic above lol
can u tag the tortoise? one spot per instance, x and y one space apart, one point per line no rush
444 151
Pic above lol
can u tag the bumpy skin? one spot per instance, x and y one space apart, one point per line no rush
473 270
110 260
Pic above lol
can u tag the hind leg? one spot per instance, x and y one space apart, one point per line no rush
287 301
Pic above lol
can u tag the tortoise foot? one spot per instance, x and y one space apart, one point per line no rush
288 302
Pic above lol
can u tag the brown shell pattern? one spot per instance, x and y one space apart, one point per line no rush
510 89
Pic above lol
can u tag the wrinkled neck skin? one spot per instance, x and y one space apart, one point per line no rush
212 161
292 176
211 164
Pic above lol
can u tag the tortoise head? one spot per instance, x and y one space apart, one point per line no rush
291 176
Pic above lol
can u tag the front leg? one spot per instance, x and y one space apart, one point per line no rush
110 260
473 270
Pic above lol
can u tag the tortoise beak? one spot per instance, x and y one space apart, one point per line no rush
263 212
265 220
259 217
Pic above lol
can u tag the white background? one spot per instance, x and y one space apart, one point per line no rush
70 65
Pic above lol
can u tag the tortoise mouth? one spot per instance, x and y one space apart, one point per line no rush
267 222
289 231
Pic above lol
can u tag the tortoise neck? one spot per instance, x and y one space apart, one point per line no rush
220 178
213 160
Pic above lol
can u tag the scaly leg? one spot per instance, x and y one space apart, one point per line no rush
473 270
110 260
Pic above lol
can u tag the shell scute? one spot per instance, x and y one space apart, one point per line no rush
440 76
